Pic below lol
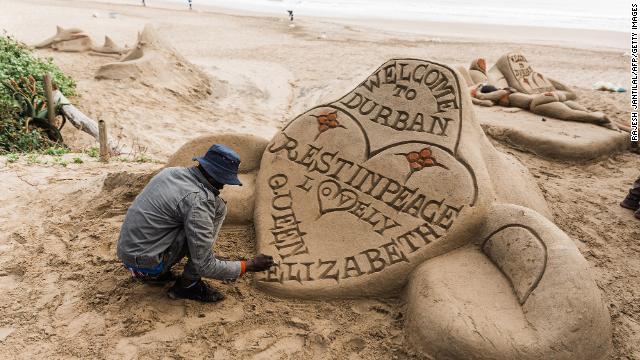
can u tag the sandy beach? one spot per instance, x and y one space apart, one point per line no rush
66 295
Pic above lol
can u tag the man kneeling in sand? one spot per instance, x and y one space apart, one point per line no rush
179 214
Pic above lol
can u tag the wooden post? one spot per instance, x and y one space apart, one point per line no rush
104 145
82 122
51 105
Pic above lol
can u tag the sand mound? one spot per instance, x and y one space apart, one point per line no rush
156 64
250 149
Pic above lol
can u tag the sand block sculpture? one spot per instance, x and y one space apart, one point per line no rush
250 148
156 63
70 40
549 135
362 196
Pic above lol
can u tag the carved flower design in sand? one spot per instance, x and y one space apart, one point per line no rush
419 160
327 121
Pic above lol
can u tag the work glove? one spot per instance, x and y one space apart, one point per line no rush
259 263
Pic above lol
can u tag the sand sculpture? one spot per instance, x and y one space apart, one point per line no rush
475 78
250 149
395 186
518 85
155 62
545 136
109 47
76 40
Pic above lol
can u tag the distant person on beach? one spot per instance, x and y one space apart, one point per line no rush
290 15
632 201
190 5
144 3
177 215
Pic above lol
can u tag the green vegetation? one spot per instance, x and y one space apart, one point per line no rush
17 60
77 160
94 152
60 161
33 159
23 112
56 151
142 158
11 158
138 158
16 135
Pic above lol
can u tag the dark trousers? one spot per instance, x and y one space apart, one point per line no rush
176 252
635 189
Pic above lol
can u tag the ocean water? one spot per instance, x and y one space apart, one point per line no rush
586 14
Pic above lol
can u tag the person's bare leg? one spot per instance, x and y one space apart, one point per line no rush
620 125
520 100
487 103
575 106
562 111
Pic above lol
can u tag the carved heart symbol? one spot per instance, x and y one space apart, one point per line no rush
331 197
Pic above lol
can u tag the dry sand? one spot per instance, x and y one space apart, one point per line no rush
65 295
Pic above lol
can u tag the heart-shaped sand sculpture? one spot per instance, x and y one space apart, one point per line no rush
395 190
359 191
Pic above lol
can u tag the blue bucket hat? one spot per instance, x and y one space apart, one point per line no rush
221 163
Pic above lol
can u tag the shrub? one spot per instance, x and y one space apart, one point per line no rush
22 127
17 60
56 151
14 135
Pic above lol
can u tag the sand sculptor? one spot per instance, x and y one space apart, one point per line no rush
250 149
396 186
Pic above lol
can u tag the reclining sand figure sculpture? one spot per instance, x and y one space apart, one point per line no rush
518 85
156 62
76 40
395 189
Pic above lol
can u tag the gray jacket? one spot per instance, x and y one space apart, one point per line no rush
177 203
